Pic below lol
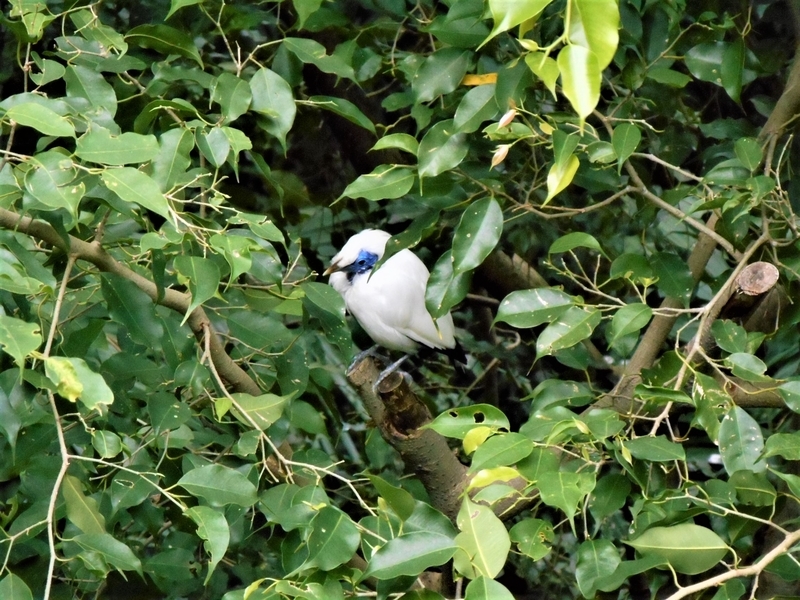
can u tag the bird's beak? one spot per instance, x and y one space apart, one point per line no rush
332 269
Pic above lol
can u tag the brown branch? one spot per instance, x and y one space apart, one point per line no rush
786 109
95 254
399 414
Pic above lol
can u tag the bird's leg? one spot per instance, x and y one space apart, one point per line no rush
388 371
371 351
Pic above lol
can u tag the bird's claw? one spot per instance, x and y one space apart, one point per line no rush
386 373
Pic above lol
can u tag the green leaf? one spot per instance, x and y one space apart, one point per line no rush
753 489
749 152
219 486
99 146
107 443
674 278
273 99
609 495
565 490
50 181
440 73
729 336
627 320
164 39
212 527
82 510
594 24
545 68
786 445
574 240
132 308
42 119
305 8
176 5
477 106
333 540
83 82
560 176
741 442
76 381
580 79
483 542
236 250
457 422
214 145
263 410
484 588
501 450
533 537
510 13
790 392
172 160
747 366
111 550
689 548
134 186
203 276
401 141
445 288
625 140
529 308
656 449
398 499
571 327
14 588
312 52
442 148
596 559
18 338
477 234
410 554
386 182
343 108
232 94
668 77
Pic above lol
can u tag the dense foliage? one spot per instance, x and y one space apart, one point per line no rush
603 192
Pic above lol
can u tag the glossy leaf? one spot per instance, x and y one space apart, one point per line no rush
212 527
203 277
571 327
529 308
545 68
477 106
386 182
485 588
565 490
625 139
442 148
580 79
445 287
112 551
749 152
609 495
219 486
483 542
594 25
689 548
134 186
656 449
107 443
501 450
410 554
262 410
99 146
575 240
233 95
76 381
747 366
18 338
790 392
597 559
273 99
343 108
533 537
401 141
741 442
560 176
51 179
42 119
132 308
786 445
164 39
674 277
457 422
510 13
440 73
82 510
312 52
333 540
629 319
14 588
477 234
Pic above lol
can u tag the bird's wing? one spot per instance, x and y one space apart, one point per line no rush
401 282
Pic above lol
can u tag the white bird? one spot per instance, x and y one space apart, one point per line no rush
390 303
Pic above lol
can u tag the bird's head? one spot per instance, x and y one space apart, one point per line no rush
359 254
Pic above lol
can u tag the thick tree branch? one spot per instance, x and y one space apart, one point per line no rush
95 254
399 415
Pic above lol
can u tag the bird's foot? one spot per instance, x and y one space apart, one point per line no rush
371 351
386 373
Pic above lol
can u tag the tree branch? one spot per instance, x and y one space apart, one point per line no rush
95 254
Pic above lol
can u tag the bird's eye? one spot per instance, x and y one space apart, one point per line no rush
361 262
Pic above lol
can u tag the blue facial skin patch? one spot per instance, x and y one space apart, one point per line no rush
363 264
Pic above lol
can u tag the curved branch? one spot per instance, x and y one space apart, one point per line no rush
95 254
